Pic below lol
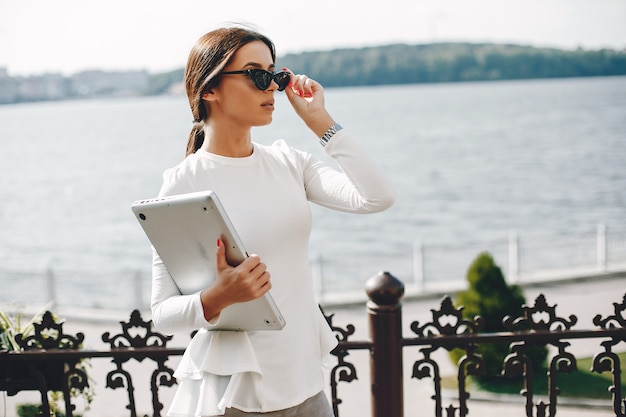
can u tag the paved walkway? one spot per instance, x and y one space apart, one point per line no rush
584 299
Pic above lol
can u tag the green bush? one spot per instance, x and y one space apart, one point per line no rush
27 410
32 410
490 297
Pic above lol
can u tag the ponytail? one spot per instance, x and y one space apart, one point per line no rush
196 137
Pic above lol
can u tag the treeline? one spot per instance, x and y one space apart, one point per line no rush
436 63
450 62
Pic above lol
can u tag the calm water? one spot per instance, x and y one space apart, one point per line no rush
471 163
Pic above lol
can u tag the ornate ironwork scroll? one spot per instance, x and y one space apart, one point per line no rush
539 318
344 371
49 335
448 322
138 335
608 361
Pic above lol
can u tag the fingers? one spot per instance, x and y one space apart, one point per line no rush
247 281
301 85
258 278
306 96
220 256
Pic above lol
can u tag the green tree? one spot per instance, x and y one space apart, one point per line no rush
490 297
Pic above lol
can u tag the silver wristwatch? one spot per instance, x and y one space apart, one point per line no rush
329 133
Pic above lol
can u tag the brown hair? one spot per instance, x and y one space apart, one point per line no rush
211 53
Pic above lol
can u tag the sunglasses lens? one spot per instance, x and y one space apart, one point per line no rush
262 79
282 79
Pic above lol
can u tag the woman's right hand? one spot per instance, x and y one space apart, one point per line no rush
244 282
307 99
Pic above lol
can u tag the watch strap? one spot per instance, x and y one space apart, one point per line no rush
330 133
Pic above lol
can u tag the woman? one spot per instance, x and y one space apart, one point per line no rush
231 81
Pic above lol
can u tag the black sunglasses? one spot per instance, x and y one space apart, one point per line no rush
262 78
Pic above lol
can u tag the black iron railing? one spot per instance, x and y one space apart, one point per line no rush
50 360
449 330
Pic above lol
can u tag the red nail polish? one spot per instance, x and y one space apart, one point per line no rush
218 243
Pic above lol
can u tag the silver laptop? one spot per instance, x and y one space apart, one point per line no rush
184 230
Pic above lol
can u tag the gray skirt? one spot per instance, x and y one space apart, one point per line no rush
316 406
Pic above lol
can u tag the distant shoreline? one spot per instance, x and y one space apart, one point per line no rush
395 64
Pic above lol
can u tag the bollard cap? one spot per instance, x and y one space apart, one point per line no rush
384 289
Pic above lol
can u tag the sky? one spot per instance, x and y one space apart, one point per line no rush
69 36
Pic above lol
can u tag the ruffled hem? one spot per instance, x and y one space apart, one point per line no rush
218 366
215 366
218 353
211 395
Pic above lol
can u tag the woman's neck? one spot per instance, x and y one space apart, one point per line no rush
234 143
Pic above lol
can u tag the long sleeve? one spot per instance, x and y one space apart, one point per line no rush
171 311
362 187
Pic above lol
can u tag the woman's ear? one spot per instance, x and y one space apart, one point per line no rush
208 95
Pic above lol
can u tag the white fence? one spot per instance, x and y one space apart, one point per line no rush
339 278
434 268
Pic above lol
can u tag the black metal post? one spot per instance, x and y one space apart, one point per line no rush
385 326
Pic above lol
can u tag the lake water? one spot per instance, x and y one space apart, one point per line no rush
472 163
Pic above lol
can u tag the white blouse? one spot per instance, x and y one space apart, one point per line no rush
267 198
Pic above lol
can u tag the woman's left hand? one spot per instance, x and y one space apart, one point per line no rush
307 99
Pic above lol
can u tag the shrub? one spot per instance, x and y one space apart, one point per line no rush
27 410
490 297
